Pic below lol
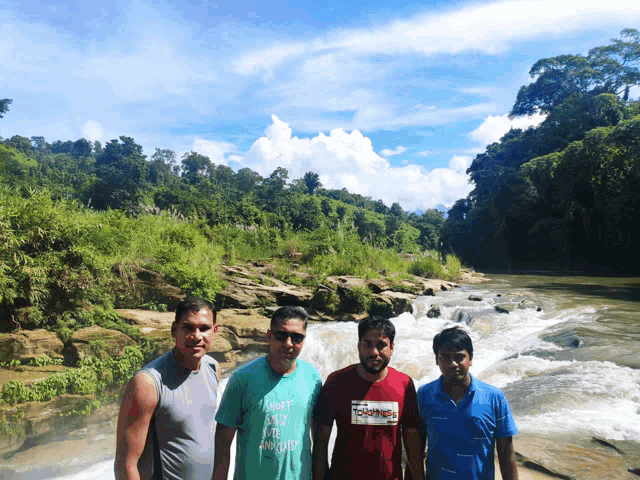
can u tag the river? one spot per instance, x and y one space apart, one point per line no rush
566 355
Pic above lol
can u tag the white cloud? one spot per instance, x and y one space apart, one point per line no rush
92 131
216 151
459 163
494 127
347 160
490 29
399 150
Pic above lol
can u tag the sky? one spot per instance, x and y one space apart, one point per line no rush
391 100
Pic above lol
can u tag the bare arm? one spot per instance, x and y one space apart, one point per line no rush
507 458
224 437
321 451
138 404
412 445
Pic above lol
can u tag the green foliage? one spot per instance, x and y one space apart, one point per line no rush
427 267
453 266
44 360
91 376
356 300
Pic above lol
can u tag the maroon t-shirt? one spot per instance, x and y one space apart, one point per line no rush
367 416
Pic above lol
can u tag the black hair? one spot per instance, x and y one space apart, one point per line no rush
194 305
454 338
287 313
383 325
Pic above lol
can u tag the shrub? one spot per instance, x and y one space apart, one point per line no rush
356 300
453 266
427 267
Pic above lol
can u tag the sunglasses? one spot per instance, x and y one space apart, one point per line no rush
282 337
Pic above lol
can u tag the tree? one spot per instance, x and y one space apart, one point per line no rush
81 148
607 69
195 167
22 144
161 166
40 144
122 170
247 180
4 106
312 180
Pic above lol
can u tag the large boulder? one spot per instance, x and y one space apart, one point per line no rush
243 292
99 342
244 330
28 344
147 286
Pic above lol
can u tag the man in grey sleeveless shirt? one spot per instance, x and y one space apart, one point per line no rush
166 421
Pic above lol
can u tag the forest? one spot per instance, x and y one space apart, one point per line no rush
562 195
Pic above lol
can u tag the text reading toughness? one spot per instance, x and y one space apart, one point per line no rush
371 412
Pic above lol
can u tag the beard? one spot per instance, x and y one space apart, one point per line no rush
373 370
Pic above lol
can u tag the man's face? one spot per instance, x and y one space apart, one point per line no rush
375 351
454 364
194 334
285 341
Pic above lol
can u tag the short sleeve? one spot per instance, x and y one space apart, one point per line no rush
410 415
505 424
230 412
324 414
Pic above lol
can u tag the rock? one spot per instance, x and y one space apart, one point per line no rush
434 312
99 342
246 293
505 308
400 302
378 285
151 287
475 298
244 331
525 304
28 344
322 297
606 443
569 461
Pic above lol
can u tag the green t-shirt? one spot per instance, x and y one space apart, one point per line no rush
272 414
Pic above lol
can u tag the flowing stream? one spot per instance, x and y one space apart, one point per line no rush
567 356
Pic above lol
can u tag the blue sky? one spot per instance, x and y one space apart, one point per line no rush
388 99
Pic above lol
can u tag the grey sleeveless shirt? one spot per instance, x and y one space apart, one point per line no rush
180 441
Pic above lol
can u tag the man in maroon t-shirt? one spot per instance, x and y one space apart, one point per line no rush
369 402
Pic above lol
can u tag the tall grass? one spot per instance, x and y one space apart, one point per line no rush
453 266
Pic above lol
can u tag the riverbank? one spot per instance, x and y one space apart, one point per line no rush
588 460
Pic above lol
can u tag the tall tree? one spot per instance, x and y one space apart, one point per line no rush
608 69
312 180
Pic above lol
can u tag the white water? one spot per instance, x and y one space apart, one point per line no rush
550 398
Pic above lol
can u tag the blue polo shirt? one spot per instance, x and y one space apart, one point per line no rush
461 438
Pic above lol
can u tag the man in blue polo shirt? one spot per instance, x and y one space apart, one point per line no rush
463 418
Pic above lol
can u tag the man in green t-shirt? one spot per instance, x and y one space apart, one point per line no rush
270 403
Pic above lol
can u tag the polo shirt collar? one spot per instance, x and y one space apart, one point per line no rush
473 387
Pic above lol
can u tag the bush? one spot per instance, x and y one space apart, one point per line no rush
427 267
453 266
92 375
356 300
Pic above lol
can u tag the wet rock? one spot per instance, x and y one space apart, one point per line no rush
569 461
400 302
528 304
434 312
505 308
28 344
475 298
